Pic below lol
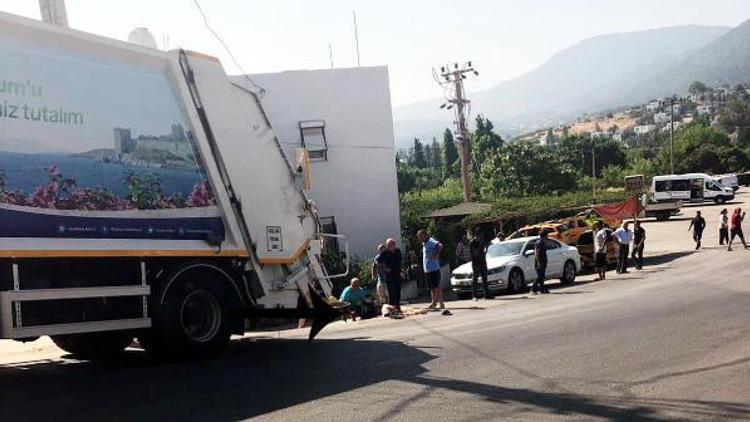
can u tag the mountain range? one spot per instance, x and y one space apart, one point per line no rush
595 75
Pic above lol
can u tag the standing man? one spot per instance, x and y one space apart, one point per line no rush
478 250
698 223
463 255
735 227
392 261
379 274
600 250
540 263
639 237
623 236
723 227
431 249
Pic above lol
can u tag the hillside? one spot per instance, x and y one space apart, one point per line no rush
723 61
597 73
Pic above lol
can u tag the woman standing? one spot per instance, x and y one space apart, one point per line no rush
735 227
724 227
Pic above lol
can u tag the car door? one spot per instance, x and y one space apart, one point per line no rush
554 258
527 262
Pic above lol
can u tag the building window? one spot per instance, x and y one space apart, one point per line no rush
312 134
328 226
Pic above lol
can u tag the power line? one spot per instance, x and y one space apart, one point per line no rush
216 35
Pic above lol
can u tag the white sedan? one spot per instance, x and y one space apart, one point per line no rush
510 266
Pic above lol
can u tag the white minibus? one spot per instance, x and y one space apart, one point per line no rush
693 187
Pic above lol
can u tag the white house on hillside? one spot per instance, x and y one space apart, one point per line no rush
643 129
344 118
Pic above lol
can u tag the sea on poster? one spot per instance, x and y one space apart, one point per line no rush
93 148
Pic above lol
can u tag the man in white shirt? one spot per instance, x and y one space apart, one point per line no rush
499 238
600 250
624 236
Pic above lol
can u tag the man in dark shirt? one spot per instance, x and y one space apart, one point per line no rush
478 252
392 261
698 223
540 263
639 237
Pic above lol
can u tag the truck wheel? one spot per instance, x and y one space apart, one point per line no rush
720 200
192 322
95 346
662 216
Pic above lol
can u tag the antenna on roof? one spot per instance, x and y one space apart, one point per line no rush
330 54
356 36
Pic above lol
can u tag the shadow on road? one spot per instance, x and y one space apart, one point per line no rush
260 376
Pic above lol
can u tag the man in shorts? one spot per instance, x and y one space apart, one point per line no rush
379 274
600 250
431 265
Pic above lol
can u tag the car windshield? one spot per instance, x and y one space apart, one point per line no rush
505 249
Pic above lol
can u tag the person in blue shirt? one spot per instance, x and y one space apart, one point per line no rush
431 264
355 296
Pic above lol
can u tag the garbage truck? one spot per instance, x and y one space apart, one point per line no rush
143 195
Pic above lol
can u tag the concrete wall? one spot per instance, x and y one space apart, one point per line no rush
357 183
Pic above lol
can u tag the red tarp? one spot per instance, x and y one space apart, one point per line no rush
619 210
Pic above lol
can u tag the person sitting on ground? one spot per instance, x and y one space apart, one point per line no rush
355 296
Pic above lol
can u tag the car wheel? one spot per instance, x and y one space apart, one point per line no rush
569 273
720 200
516 283
463 296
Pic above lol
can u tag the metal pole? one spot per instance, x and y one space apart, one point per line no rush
356 35
463 136
593 167
330 54
671 135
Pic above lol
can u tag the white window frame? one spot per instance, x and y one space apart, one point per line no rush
315 151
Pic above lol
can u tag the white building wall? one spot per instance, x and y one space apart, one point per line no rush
357 183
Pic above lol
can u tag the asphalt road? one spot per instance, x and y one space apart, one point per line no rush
671 342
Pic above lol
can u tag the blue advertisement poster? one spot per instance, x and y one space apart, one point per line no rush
91 148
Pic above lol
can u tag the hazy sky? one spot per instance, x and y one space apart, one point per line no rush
504 38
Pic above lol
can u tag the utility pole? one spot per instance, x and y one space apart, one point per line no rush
671 134
356 36
53 11
455 77
593 167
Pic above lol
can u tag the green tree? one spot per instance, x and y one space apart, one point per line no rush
697 88
484 141
417 155
450 155
435 158
575 152
523 169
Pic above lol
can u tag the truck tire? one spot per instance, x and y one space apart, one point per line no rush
94 346
662 216
720 200
193 321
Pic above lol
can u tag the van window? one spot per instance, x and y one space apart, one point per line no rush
662 186
680 185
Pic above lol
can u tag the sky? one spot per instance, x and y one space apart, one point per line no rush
503 38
